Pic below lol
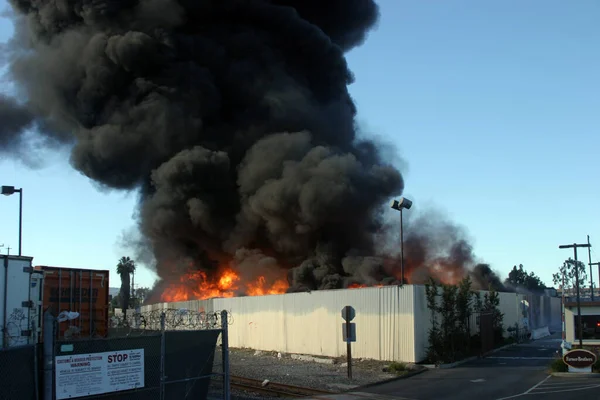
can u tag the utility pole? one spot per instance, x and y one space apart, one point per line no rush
133 289
8 251
564 327
596 263
574 246
590 264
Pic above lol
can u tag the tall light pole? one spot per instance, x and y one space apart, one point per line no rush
7 191
399 205
574 246
590 264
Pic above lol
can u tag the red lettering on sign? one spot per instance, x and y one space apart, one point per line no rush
117 358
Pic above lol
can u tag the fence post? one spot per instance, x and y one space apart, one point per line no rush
225 349
162 356
36 368
48 335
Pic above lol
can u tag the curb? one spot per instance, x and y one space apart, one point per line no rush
576 374
394 379
466 360
506 346
457 363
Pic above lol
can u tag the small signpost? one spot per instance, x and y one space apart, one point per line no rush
348 334
580 360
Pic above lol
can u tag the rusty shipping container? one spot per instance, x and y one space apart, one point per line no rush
84 291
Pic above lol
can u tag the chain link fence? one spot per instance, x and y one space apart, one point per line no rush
19 373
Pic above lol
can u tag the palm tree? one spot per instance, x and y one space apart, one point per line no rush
125 267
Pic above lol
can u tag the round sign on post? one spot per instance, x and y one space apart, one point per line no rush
580 358
348 313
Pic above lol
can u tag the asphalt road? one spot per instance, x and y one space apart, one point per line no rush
519 372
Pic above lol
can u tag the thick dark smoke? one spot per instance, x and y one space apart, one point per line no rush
231 117
14 120
438 248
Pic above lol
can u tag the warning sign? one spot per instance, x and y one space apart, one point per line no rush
79 375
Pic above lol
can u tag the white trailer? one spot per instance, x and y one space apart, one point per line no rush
20 301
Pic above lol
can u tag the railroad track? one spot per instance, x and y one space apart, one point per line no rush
274 389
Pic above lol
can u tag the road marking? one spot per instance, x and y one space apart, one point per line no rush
563 384
538 384
548 388
527 391
478 380
521 358
568 390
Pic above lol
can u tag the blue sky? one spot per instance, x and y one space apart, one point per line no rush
492 105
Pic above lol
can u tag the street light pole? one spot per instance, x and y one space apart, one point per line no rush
399 205
401 249
590 263
580 323
7 191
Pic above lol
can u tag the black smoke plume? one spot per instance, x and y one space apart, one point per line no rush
232 119
14 120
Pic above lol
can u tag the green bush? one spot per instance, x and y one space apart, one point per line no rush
558 365
510 340
596 366
397 367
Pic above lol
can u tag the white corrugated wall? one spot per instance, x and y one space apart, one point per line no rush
556 313
509 306
311 323
392 323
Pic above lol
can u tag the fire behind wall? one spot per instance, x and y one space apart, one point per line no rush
232 120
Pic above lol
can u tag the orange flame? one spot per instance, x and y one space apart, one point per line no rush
363 285
356 286
260 287
197 286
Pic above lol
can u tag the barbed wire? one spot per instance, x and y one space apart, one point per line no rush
175 319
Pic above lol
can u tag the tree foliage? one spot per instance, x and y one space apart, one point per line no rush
125 267
491 303
136 300
568 270
451 308
518 277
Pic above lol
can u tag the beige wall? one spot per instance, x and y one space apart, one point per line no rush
311 323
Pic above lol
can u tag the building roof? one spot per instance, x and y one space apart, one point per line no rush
12 257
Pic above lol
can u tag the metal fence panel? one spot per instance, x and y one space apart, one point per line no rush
189 359
152 361
18 373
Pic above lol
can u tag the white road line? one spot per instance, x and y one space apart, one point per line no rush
549 388
538 384
521 358
527 391
562 385
567 390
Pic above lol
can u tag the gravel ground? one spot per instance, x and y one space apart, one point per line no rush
284 369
